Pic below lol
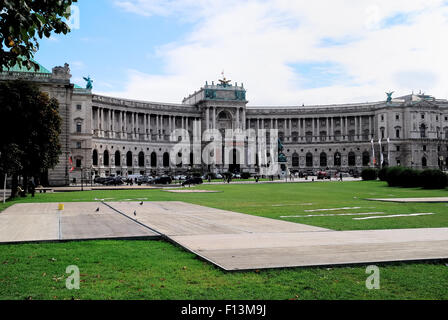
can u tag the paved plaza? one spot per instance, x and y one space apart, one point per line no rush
230 240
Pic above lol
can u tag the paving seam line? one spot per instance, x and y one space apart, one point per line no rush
169 239
136 221
59 225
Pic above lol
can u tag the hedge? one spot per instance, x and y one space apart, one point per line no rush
411 178
369 174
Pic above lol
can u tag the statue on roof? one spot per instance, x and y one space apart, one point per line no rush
281 155
389 96
224 81
89 85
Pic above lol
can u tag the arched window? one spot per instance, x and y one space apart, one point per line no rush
423 131
337 159
141 159
117 158
95 157
166 159
153 160
129 159
351 159
106 158
424 162
309 159
365 158
323 160
295 160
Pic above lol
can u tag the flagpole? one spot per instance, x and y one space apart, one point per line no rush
4 190
388 151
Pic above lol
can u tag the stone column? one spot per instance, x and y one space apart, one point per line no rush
318 129
332 128
370 128
237 118
214 117
244 119
327 122
207 118
312 129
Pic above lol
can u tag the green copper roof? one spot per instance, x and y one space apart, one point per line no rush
78 87
16 68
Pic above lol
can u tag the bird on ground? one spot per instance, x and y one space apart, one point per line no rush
135 213
141 203
97 209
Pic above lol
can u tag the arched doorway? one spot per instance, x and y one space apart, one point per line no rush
351 159
129 159
365 158
95 157
153 160
117 158
424 162
337 159
295 159
309 159
141 159
166 160
106 158
323 160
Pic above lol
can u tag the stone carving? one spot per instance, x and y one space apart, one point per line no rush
61 72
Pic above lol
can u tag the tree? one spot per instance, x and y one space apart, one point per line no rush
29 122
22 22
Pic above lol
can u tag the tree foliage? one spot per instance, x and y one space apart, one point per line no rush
22 22
30 126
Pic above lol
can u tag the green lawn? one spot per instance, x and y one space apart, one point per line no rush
159 270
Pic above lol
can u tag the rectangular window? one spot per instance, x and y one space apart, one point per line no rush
398 148
78 128
78 144
78 163
78 107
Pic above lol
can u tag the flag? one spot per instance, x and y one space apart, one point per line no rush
381 152
70 160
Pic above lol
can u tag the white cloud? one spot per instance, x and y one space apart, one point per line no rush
381 45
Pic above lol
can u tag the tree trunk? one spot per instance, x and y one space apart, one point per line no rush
14 185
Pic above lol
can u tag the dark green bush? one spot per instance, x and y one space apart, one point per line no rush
369 174
245 175
409 178
393 176
433 179
382 174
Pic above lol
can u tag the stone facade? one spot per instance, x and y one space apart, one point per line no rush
106 135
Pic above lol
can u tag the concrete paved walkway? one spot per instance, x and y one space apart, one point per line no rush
235 241
230 240
30 222
414 200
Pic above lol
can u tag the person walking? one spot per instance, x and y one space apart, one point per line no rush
32 188
340 176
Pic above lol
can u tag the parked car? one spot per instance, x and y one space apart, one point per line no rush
218 176
113 181
162 180
194 180
144 179
99 180
322 175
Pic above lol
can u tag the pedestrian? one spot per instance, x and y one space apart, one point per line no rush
340 176
32 188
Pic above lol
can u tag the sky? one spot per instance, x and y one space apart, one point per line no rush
286 53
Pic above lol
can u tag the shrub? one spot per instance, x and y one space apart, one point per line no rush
409 178
245 175
433 179
382 174
393 176
369 174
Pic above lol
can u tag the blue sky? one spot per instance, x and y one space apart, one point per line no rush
286 53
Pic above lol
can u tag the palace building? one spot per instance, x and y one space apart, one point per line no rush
114 136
